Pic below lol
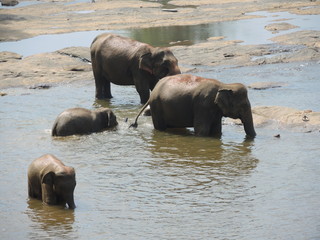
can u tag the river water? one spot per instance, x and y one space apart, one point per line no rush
145 184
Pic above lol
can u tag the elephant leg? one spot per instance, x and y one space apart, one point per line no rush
157 118
103 89
144 96
206 124
106 89
202 129
142 88
30 192
216 127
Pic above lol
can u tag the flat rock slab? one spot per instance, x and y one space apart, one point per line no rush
283 118
276 27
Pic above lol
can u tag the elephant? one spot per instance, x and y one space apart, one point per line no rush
191 101
51 181
83 121
124 61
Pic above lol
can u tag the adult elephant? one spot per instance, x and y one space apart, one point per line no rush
51 181
83 121
124 61
189 101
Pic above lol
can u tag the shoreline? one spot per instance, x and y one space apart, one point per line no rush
63 17
59 66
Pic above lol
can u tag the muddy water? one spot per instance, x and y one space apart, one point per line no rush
145 184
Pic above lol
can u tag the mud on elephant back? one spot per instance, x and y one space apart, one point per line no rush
123 61
190 101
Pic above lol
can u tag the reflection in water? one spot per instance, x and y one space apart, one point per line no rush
210 157
146 184
182 35
48 220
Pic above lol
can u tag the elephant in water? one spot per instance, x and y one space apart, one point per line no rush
83 121
51 181
124 61
189 101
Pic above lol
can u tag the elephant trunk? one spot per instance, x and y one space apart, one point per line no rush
176 70
248 124
71 203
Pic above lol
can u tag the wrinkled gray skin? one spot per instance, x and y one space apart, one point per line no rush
83 121
51 181
190 101
124 61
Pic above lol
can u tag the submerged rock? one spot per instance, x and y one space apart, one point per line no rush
276 27
266 85
9 3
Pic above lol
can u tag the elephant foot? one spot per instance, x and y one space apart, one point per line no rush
103 97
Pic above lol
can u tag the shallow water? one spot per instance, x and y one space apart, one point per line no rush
145 184
166 36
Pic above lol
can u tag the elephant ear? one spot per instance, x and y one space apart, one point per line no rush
48 178
47 182
146 62
224 100
109 115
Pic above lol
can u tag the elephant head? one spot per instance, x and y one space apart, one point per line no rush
109 118
112 119
233 101
58 188
159 62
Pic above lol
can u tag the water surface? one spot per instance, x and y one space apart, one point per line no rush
250 31
145 184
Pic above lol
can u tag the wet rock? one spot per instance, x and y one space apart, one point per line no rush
276 27
45 68
307 38
7 56
82 53
228 55
266 85
41 86
289 118
2 94
9 3
170 10
79 68
283 117
177 43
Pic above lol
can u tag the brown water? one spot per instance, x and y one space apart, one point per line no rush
145 184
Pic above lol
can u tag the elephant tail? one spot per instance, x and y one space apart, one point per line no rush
135 124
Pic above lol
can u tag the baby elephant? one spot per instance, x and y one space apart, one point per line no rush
83 121
51 181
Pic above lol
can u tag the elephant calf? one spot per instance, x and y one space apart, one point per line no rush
124 61
189 101
51 181
83 121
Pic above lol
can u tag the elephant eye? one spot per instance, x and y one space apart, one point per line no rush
164 72
166 63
